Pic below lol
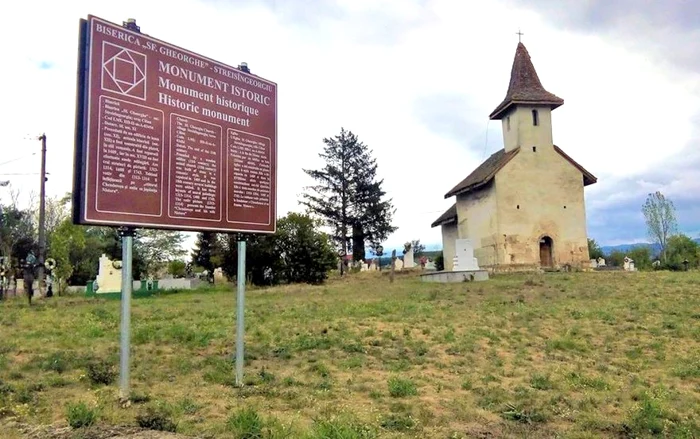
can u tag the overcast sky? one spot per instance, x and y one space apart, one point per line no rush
415 80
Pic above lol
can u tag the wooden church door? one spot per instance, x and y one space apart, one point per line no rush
546 251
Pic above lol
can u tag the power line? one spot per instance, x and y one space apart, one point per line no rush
486 141
20 158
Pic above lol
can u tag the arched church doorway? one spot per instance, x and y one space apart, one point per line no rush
546 245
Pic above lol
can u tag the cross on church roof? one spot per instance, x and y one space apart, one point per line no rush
519 34
525 85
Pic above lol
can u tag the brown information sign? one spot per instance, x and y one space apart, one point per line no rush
166 138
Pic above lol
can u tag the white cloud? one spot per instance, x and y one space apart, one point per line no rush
364 65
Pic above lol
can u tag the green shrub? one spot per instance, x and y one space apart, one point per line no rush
641 255
648 417
541 382
400 387
139 398
681 248
58 362
439 262
467 384
397 422
341 428
615 258
594 250
245 424
80 415
519 414
101 372
298 252
156 417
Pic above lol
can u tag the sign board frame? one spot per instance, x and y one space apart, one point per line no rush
203 133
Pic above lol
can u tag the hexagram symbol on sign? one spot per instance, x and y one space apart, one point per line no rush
123 71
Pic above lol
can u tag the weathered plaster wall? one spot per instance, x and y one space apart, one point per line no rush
539 194
476 213
449 236
522 132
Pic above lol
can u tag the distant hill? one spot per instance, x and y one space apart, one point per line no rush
431 250
607 249
627 247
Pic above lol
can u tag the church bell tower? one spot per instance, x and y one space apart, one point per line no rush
526 111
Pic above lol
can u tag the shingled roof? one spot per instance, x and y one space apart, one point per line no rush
488 169
484 173
449 216
525 86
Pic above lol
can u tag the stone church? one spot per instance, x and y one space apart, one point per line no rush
523 208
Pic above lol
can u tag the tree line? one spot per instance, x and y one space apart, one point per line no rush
77 249
346 212
673 250
346 209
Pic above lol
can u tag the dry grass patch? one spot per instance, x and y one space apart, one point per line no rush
576 355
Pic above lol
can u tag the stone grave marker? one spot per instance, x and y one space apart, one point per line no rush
464 256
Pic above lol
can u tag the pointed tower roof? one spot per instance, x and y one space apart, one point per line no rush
525 86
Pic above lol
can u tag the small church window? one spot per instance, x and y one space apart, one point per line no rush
518 206
534 149
564 207
535 118
508 123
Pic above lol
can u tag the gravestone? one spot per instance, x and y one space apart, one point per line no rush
408 261
219 277
464 256
109 276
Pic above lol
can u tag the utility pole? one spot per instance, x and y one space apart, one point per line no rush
42 213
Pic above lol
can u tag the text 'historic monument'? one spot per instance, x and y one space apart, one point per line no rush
170 139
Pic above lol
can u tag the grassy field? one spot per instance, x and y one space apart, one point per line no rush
574 355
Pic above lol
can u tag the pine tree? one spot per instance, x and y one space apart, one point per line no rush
207 251
348 196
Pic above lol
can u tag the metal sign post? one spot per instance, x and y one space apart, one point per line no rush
139 149
240 309
127 235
